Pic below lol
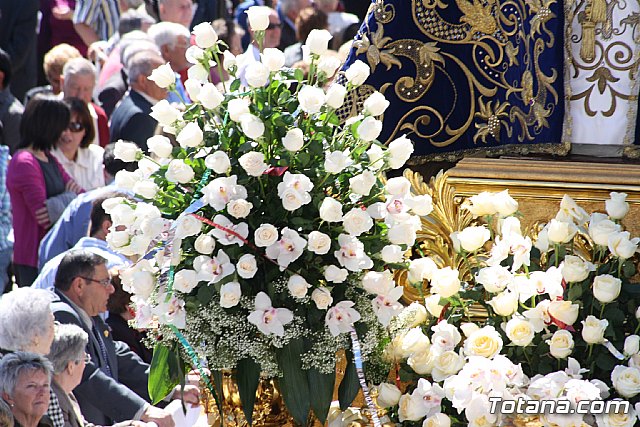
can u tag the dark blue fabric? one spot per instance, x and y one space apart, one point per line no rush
479 56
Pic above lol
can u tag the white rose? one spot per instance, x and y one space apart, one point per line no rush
142 283
266 235
445 282
228 60
415 342
163 76
505 303
178 171
617 206
237 108
185 281
622 246
273 58
388 395
520 331
252 126
495 278
600 228
504 203
369 129
205 244
473 238
564 311
392 254
165 113
256 74
145 188
421 269
253 163
631 345
432 303
335 274
318 41
437 420
337 161
375 104
626 380
198 72
230 294
357 73
485 342
376 157
218 162
482 204
399 151
561 344
190 136
293 140
615 419
331 210
160 146
188 225
258 17
239 208
446 364
575 269
311 99
357 221
593 330
321 296
561 231
127 151
362 184
247 266
403 233
328 65
335 95
205 35
193 88
292 199
420 205
210 96
398 186
606 288
298 286
194 54
422 363
319 243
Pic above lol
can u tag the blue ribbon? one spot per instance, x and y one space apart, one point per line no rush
357 358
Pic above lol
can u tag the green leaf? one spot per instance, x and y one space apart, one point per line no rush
321 392
205 293
304 158
293 384
298 74
248 378
575 292
235 85
349 386
216 377
164 373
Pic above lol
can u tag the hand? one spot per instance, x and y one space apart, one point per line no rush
193 377
191 394
96 52
159 416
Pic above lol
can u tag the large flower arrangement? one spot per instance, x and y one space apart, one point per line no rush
560 322
255 234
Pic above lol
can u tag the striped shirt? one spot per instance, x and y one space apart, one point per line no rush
101 15
5 202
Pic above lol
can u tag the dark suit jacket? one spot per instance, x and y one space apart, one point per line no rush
131 121
103 399
112 92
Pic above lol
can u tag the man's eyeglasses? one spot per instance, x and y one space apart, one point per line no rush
273 26
103 282
86 359
76 126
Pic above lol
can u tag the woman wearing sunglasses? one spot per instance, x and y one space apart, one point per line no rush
35 177
80 158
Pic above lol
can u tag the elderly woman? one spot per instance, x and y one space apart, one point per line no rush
26 321
25 379
69 359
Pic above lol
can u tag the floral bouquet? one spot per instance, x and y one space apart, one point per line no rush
556 333
267 236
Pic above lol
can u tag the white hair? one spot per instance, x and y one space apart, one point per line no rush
13 365
142 64
167 33
24 315
77 66
69 344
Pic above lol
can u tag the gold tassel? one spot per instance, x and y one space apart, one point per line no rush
598 11
588 45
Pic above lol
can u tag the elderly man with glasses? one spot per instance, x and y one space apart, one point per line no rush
114 382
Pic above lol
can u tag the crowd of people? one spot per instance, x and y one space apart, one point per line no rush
73 80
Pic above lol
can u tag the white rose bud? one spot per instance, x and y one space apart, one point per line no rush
319 243
298 286
357 73
575 269
335 274
127 151
469 328
178 171
293 140
311 99
322 297
218 162
632 345
362 184
230 294
185 281
194 54
205 35
432 303
266 235
257 74
421 269
160 146
273 58
190 136
445 282
210 96
258 17
564 311
335 95
252 126
165 113
617 206
388 395
399 152
473 238
369 129
392 254
606 288
163 76
376 157
593 330
420 205
622 246
205 244
329 65
247 266
505 303
331 210
145 188
253 163
198 72
505 204
318 41
237 108
126 180
357 221
239 208
375 104
561 231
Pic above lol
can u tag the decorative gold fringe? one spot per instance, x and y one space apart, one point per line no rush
598 11
588 45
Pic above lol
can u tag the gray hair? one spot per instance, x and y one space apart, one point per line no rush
78 66
15 364
289 5
24 315
69 344
6 416
167 33
142 64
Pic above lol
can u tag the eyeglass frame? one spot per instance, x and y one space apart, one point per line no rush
103 282
75 127
86 359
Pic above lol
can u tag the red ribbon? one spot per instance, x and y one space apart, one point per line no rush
276 170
